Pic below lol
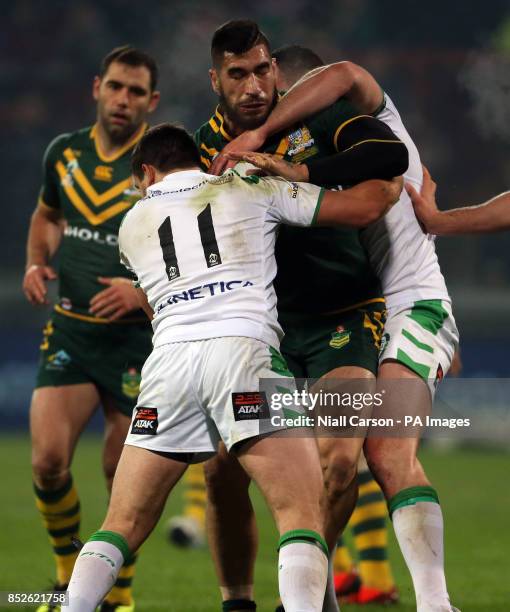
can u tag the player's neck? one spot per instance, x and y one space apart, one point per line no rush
110 146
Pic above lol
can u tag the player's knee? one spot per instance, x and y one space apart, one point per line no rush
339 469
225 483
50 468
382 461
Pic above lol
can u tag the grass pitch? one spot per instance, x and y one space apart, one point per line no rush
472 485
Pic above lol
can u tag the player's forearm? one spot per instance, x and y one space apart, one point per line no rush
360 206
322 89
491 216
44 238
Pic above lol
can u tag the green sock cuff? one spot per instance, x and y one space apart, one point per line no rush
112 538
306 536
411 496
238 604
53 496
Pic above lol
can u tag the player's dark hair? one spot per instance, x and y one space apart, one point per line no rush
166 147
132 57
236 36
295 61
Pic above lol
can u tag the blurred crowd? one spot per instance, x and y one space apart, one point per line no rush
448 71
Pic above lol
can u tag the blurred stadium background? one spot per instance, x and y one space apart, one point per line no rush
445 64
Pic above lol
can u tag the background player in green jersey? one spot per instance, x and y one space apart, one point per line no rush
329 299
97 338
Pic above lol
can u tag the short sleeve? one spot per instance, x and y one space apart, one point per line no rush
294 203
124 259
49 193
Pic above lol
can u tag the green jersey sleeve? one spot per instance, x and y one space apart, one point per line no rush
49 193
328 123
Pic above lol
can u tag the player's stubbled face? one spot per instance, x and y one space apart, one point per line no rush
123 98
247 88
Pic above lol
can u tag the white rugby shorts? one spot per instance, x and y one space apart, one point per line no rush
423 337
193 394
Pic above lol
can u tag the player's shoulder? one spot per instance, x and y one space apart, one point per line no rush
67 140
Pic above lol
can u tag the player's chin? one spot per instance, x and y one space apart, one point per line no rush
252 119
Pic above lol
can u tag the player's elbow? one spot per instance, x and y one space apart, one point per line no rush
385 195
396 160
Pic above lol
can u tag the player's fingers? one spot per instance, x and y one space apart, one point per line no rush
120 312
104 280
104 295
236 155
29 295
106 310
218 164
255 172
38 287
50 273
412 193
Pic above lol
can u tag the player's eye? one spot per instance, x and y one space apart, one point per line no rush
138 91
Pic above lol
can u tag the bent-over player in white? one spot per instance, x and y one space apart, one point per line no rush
202 249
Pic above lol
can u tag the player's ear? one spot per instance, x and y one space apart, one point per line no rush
149 174
215 82
155 97
95 88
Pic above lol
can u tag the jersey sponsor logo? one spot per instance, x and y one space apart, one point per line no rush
340 337
58 361
88 235
145 422
250 406
103 173
131 383
384 343
203 291
65 303
299 141
214 259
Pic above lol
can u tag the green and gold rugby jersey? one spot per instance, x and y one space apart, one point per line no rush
321 269
92 192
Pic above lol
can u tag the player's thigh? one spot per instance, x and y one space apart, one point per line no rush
140 488
405 394
57 417
287 471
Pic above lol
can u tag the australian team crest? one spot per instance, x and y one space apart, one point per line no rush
131 383
339 338
301 144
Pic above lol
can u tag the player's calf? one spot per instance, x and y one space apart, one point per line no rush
141 486
287 471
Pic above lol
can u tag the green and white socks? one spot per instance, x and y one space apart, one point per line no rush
418 524
302 570
96 570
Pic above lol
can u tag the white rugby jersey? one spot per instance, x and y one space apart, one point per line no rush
403 256
202 248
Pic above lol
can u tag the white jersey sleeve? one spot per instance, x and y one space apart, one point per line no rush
293 203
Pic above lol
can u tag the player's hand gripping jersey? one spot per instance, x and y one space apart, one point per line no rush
202 248
92 192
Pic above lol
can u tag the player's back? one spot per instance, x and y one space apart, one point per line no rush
202 248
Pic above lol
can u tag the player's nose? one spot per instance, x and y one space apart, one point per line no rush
253 86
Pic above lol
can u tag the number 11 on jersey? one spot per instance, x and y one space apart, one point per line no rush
207 236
